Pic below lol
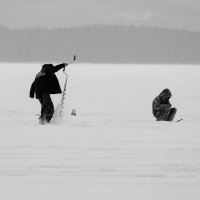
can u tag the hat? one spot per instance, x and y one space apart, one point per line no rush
45 66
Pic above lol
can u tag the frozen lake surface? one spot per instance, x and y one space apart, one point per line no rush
113 148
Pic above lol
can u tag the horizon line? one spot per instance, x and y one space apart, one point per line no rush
93 25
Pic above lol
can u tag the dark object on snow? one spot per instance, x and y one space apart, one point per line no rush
73 112
161 107
179 120
46 83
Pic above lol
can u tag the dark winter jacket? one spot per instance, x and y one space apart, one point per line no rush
161 102
46 81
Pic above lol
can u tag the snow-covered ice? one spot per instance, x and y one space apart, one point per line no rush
113 148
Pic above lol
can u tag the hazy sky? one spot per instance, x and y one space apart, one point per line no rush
65 13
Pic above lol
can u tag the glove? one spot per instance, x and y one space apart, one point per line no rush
167 106
65 64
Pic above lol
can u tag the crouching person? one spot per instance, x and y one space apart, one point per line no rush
46 83
161 107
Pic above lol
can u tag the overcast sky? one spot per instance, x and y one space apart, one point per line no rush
66 13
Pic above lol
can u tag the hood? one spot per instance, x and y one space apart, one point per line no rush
165 94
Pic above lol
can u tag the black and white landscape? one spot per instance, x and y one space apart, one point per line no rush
127 52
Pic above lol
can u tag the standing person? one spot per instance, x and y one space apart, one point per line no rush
46 83
161 107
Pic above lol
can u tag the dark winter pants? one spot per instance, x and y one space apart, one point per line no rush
166 114
47 107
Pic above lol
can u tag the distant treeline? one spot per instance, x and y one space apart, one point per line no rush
100 44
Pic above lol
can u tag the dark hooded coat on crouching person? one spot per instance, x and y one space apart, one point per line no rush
46 83
162 108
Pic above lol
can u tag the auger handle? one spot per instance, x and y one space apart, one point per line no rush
70 62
